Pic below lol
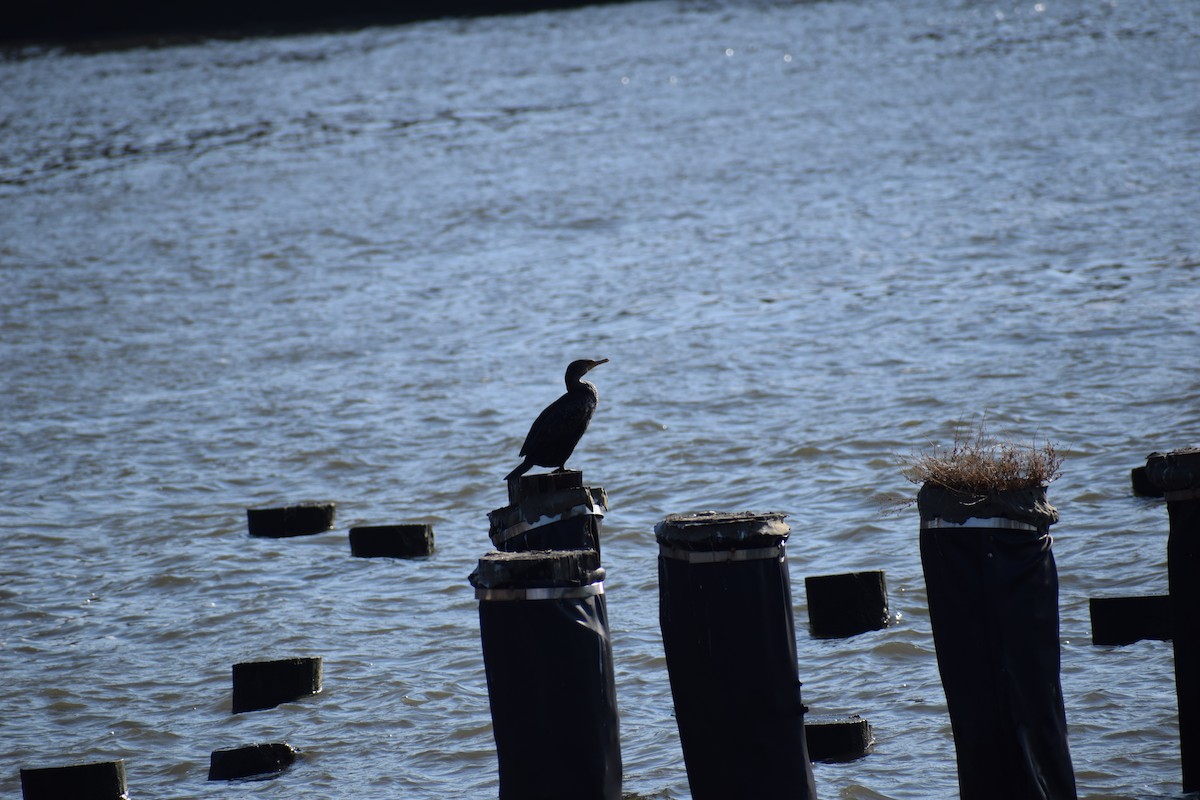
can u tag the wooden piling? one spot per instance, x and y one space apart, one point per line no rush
725 609
1178 475
992 586
548 659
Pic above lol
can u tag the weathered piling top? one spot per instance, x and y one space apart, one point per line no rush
722 530
1178 470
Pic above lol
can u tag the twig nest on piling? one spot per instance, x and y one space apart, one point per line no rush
982 478
1020 505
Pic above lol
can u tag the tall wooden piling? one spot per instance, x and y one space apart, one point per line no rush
725 608
548 659
993 603
1178 475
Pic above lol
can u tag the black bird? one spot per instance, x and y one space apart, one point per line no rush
560 426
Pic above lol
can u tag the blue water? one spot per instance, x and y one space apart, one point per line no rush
811 238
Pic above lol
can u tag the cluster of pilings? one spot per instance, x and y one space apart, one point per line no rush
257 685
728 634
725 613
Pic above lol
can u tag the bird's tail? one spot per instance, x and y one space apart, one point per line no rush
519 471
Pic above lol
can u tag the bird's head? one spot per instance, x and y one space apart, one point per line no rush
577 369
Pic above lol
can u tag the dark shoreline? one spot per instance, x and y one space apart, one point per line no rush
135 23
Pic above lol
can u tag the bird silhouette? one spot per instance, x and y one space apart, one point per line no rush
560 426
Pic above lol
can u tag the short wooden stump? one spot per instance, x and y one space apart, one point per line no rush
1125 620
100 781
844 739
846 605
391 541
260 685
249 762
303 519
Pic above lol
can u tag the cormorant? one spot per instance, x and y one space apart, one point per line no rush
556 431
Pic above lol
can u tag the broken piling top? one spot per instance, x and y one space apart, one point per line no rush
539 483
708 531
1175 472
549 511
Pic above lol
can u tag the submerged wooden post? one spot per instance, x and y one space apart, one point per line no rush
549 511
101 781
846 605
1178 475
391 541
838 739
303 519
247 762
1125 620
260 685
548 657
725 609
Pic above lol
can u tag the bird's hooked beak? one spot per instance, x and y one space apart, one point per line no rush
595 364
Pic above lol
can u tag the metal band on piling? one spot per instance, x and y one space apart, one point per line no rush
587 509
548 593
719 556
977 522
1182 494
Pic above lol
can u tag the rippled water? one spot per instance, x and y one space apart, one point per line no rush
351 266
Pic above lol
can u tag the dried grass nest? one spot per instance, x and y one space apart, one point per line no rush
980 465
